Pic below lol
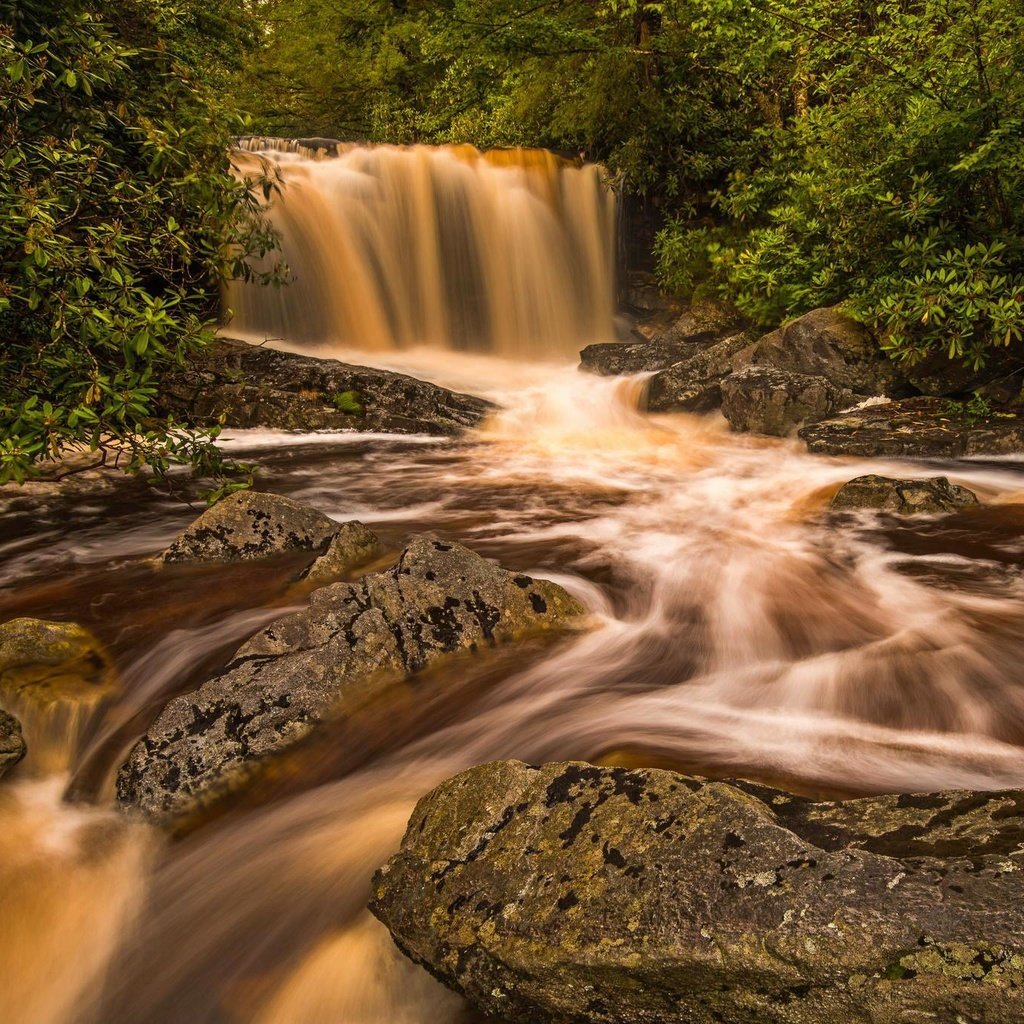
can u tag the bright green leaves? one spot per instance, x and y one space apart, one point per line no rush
117 209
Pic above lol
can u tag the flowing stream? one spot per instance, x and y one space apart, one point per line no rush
737 631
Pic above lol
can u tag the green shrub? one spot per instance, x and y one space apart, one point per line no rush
119 219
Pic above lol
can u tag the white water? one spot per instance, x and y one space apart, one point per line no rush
735 632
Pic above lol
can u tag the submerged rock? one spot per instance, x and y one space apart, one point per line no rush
249 525
916 428
352 545
439 599
903 497
43 662
572 893
12 744
764 400
237 385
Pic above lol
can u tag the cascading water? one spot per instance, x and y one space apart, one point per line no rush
509 252
736 633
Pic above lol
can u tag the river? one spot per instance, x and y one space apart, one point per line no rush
738 631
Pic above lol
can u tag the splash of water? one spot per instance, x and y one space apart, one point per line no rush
388 247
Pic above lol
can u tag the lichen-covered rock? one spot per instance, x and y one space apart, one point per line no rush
572 893
351 546
239 385
764 400
915 428
827 343
43 662
12 743
440 598
695 385
248 525
903 497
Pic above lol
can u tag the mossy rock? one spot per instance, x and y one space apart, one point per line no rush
42 663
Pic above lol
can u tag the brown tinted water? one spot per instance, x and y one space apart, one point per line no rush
737 631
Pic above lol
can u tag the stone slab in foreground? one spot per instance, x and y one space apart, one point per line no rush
572 893
439 599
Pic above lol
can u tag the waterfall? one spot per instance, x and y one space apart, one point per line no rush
508 252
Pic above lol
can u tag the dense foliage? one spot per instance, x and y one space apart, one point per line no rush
806 153
118 221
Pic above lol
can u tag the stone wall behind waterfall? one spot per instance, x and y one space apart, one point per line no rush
510 252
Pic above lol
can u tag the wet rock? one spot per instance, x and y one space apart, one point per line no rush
764 400
604 895
439 599
827 343
251 524
351 546
238 385
698 328
44 662
916 428
611 359
903 497
12 744
695 385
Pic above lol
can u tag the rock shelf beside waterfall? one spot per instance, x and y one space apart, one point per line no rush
233 384
440 598
572 893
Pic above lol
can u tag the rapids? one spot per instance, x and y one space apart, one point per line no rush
736 634
735 631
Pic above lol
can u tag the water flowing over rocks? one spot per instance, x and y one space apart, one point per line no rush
42 662
916 428
438 599
12 743
764 400
238 385
572 893
249 525
903 497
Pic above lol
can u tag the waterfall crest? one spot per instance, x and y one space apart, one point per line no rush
508 252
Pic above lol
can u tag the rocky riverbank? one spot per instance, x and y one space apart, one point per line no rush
822 377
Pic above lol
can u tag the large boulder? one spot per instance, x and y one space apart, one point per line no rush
439 599
828 343
696 384
903 497
43 663
764 400
251 524
915 428
572 893
12 744
237 385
